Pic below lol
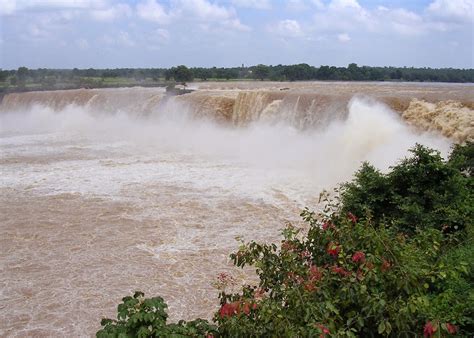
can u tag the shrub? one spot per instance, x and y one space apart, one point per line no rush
348 278
423 191
140 317
462 158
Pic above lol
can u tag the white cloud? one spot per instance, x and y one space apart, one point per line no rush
112 13
7 7
343 37
78 4
342 16
11 6
206 10
121 39
318 3
406 22
82 43
287 28
322 26
257 4
453 10
237 25
152 11
342 4
45 25
100 10
202 11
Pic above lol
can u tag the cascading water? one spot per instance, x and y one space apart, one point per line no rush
303 107
108 191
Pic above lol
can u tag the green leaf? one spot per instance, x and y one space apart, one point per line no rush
105 321
381 328
388 327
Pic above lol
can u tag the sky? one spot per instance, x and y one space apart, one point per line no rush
225 33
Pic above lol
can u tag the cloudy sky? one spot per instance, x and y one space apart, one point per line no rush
163 33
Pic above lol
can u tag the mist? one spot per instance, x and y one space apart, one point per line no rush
269 153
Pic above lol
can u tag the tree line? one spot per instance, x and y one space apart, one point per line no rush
50 78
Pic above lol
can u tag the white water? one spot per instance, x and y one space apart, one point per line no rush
173 149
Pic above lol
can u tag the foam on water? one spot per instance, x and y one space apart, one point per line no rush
173 149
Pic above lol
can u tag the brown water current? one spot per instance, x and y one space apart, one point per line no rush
108 191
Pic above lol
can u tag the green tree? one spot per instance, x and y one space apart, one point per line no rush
354 72
300 72
260 72
422 191
206 74
22 73
3 75
182 74
324 73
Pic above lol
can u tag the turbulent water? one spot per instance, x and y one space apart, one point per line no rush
104 192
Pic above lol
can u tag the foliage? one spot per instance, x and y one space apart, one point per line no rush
462 158
299 72
3 75
422 191
261 72
146 317
22 73
180 74
348 276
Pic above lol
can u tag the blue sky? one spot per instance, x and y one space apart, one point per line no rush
157 33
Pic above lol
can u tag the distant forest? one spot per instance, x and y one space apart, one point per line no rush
24 79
